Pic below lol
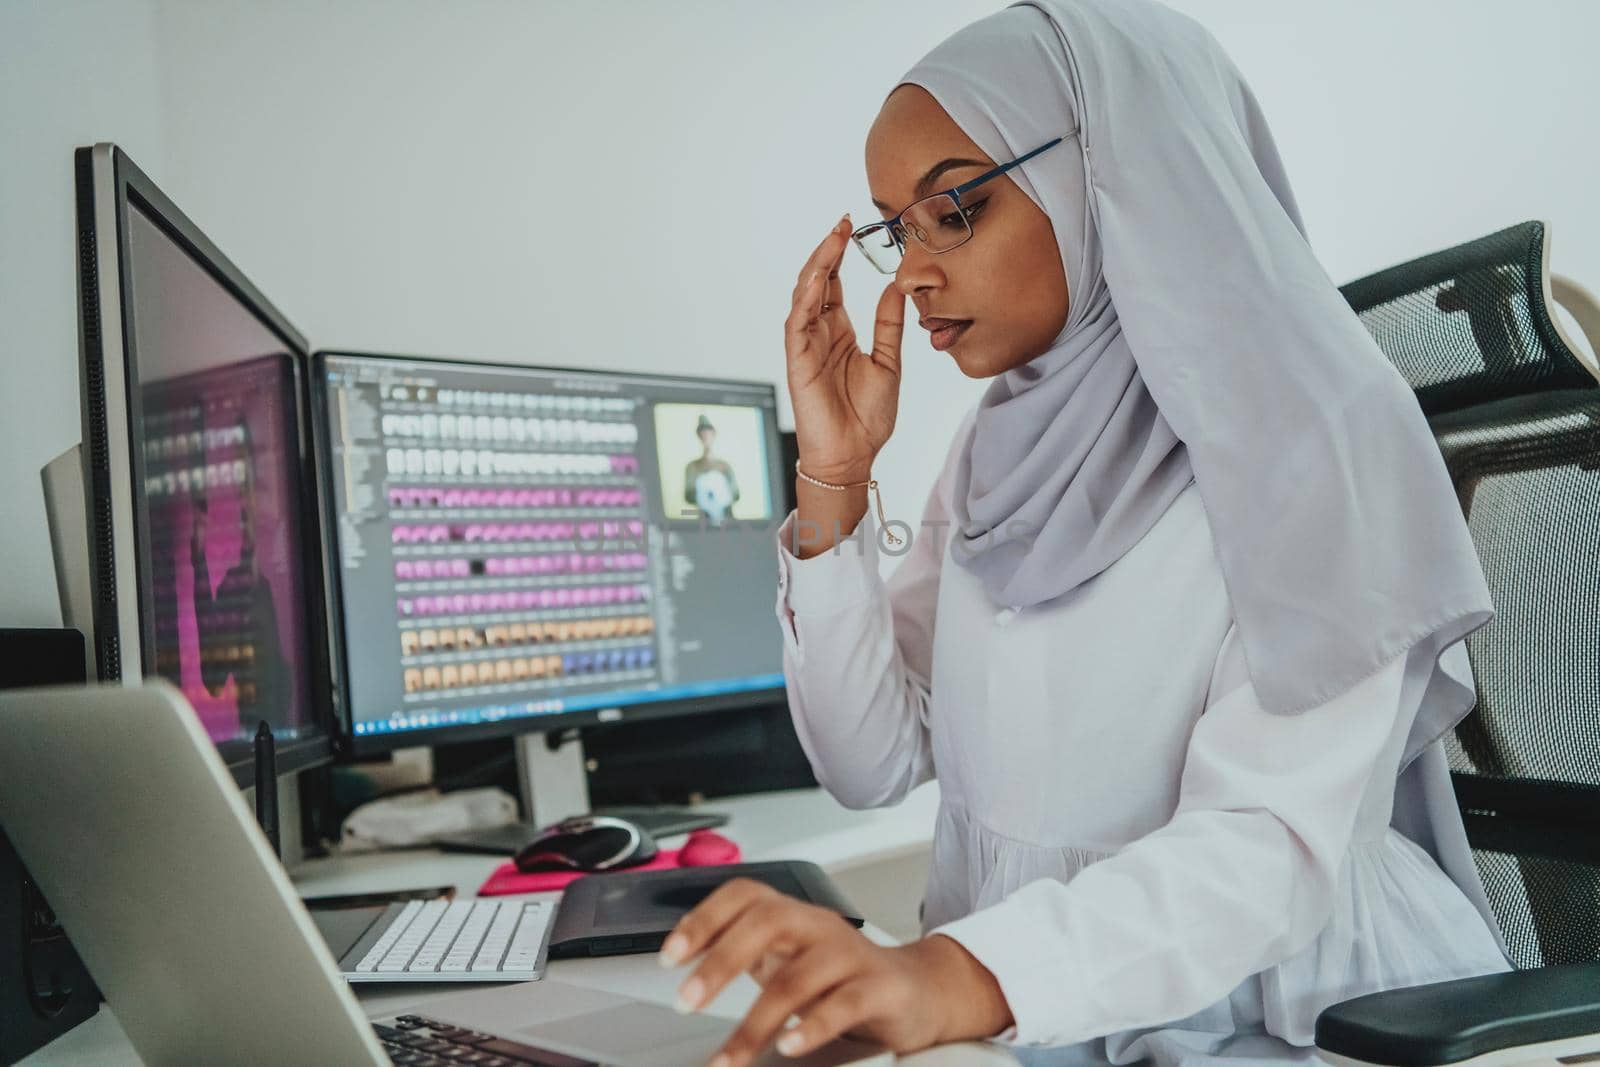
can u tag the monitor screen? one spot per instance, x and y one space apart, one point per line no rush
205 564
517 547
226 574
221 522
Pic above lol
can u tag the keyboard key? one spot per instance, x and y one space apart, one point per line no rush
441 937
499 936
381 948
460 1035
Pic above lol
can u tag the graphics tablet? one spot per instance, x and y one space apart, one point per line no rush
634 911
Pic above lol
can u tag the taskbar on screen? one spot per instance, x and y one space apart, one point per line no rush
433 718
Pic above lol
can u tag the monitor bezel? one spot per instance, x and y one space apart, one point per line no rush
119 558
346 742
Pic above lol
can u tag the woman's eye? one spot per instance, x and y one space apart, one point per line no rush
970 211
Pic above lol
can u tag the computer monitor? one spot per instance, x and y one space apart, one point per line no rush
521 548
198 478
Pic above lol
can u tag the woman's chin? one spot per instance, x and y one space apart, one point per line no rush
973 362
977 360
988 361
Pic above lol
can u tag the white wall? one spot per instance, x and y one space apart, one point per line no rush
70 73
635 185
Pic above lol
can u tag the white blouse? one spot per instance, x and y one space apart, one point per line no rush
1153 866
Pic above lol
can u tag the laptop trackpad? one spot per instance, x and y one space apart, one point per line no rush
648 1035
640 1033
616 1029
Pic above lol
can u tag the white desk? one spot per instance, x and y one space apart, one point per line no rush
879 858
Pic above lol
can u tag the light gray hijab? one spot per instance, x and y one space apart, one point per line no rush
1204 344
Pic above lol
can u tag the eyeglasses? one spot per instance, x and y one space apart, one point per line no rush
939 222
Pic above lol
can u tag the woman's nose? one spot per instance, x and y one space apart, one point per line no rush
917 271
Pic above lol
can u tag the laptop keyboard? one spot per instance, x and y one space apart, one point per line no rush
417 1041
461 940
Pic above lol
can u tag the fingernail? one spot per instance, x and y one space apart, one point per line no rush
790 1043
672 952
722 1060
689 996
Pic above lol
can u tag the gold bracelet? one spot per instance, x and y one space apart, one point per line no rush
870 483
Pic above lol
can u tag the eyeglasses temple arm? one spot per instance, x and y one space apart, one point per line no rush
980 179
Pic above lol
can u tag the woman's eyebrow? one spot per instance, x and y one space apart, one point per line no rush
925 183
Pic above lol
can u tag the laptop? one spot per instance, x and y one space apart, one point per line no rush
125 815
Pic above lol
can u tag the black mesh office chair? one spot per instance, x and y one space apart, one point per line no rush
1515 409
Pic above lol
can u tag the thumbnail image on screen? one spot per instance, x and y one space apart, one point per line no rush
713 461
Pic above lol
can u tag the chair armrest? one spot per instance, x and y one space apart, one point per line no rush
1447 1022
1585 310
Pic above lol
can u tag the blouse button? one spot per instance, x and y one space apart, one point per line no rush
1004 616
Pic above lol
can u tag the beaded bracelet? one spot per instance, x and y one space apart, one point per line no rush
870 483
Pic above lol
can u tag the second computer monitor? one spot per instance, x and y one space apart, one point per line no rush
517 548
198 487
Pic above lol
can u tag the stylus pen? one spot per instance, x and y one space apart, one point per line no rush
267 786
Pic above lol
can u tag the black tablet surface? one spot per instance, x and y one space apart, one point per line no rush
634 911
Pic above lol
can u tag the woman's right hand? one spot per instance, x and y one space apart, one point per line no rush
844 399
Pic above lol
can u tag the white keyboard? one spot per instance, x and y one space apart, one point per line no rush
459 941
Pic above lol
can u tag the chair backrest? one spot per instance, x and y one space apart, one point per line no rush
1472 324
1516 412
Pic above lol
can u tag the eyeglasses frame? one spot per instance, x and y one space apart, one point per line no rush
897 231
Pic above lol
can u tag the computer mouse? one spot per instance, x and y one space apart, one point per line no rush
587 843
706 848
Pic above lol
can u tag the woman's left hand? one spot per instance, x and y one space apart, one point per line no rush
813 964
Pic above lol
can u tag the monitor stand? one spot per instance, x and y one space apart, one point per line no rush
552 776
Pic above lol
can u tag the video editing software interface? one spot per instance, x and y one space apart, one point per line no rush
517 542
220 508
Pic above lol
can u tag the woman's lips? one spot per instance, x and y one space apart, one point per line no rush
945 332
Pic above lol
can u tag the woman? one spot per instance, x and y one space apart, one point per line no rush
1181 627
